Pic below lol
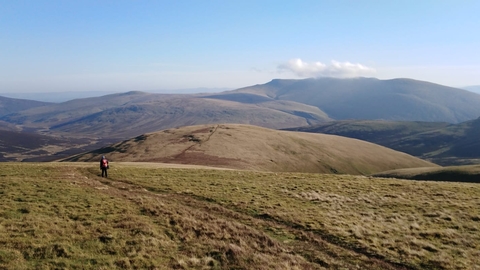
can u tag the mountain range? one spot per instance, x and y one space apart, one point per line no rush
370 98
278 104
59 97
134 113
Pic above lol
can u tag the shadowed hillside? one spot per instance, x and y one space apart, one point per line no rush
442 143
378 131
469 174
13 105
24 146
7 126
134 113
256 148
369 98
132 120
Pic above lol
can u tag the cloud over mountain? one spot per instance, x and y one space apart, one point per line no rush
318 69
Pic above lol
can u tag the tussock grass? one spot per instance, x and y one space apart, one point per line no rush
63 215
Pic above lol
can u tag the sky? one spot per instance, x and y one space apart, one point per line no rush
100 45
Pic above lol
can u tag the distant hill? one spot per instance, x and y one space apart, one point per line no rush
64 96
379 131
15 145
373 99
470 174
13 105
25 146
473 88
442 143
279 104
256 148
8 126
56 97
134 113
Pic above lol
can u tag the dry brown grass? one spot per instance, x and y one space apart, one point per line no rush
256 148
415 224
63 215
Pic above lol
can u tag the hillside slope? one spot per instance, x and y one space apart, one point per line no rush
370 98
134 113
25 146
13 105
467 174
473 88
136 119
256 148
442 143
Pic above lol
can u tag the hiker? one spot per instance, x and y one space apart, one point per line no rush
104 166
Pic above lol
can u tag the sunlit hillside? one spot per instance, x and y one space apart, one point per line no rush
254 148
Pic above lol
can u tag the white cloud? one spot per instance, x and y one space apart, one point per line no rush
318 69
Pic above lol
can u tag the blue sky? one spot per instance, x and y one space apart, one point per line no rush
152 45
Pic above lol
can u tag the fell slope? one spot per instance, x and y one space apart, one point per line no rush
131 114
473 88
135 119
255 148
370 98
25 146
442 143
13 105
467 174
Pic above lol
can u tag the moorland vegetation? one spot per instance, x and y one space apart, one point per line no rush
64 215
238 196
442 143
88 123
249 147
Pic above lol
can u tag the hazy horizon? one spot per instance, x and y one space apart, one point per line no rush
62 96
52 46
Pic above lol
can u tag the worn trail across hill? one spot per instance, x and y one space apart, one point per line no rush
195 216
192 137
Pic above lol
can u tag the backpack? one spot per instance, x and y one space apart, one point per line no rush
104 163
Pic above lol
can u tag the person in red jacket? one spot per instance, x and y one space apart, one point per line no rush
104 166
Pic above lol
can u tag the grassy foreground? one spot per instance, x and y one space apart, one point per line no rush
63 215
